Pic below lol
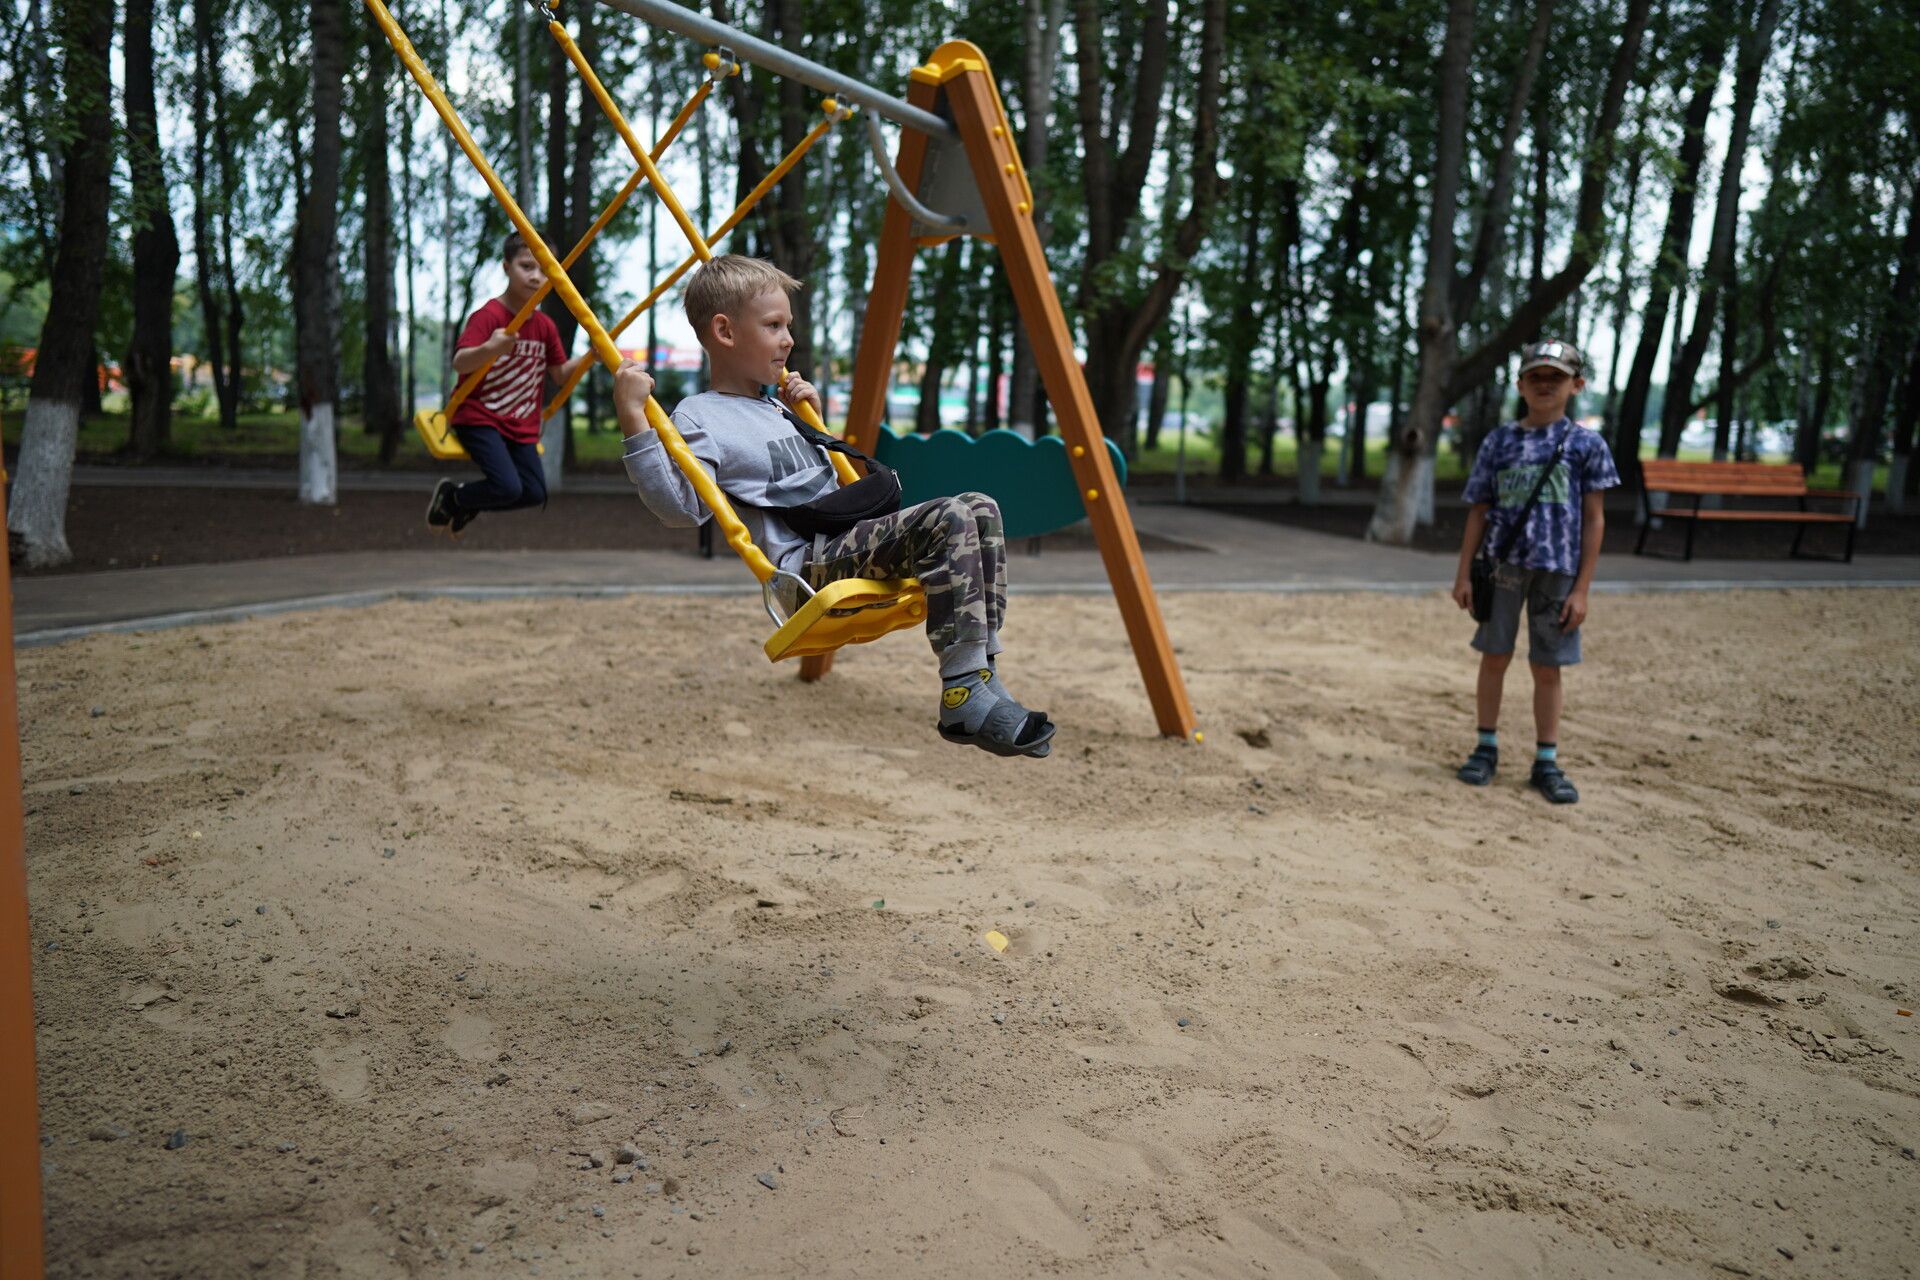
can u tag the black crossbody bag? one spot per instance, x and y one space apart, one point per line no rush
873 495
1480 569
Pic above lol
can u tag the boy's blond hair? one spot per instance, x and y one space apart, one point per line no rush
725 284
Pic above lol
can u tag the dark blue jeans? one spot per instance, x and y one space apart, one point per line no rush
513 475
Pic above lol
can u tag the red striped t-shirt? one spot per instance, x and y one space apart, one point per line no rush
508 399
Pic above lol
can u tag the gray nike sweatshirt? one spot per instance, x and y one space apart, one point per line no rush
752 452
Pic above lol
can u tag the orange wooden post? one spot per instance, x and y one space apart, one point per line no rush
22 1255
880 327
962 71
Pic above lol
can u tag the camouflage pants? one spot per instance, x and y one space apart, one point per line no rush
955 546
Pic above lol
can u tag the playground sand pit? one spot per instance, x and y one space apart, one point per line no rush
364 940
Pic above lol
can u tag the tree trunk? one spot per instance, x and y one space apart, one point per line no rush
410 362
378 373
558 218
790 229
522 108
1244 334
230 278
1670 260
1410 460
941 346
1162 385
1360 387
1623 291
65 364
1729 360
1901 477
1887 342
156 251
1590 211
213 264
997 302
1721 268
1119 322
1040 48
40 138
315 278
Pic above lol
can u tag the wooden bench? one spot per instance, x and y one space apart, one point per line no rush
1700 480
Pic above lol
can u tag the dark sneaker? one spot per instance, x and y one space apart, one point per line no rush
1478 770
1553 784
441 512
461 520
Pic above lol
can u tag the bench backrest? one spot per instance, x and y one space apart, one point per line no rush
1755 479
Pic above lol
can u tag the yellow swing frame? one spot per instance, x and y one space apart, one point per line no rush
957 146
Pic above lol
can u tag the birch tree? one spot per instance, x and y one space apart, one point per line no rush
37 511
315 283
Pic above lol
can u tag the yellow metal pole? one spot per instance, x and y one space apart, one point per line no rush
472 380
719 233
660 187
22 1242
556 274
842 464
603 346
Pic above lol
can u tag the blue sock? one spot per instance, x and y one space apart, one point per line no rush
1546 751
1490 738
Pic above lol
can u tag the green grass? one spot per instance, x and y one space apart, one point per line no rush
276 435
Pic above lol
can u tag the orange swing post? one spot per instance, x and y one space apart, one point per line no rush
22 1243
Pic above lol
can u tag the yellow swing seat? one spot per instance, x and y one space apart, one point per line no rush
850 611
439 437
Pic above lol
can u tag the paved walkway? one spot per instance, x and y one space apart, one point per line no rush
1203 551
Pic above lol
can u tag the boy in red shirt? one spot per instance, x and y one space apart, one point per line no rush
499 424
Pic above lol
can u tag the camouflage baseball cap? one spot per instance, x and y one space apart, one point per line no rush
1554 354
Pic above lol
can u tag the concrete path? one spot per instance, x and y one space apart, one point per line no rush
1205 551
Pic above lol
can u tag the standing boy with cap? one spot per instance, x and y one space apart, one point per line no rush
1545 553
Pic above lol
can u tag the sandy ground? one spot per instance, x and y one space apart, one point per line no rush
398 923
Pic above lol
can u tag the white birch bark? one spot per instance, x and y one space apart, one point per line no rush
1310 451
553 437
37 505
319 466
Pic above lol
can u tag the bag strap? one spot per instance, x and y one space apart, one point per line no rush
1520 522
825 441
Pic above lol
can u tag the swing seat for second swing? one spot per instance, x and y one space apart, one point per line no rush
437 435
850 611
439 438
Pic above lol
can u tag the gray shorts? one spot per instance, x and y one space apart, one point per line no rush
1544 594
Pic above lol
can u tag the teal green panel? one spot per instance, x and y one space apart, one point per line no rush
1032 481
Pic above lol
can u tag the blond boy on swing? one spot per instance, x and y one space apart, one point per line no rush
741 433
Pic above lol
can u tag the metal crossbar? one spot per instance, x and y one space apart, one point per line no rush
784 61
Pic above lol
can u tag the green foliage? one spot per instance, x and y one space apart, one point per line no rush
1303 280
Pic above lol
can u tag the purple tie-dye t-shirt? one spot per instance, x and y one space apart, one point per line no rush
1504 474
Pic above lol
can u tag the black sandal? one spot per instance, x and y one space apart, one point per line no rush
1009 730
1478 770
1550 782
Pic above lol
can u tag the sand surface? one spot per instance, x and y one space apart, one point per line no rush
405 919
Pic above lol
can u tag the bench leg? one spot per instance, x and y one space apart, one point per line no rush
1640 546
1691 526
1799 532
1850 528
